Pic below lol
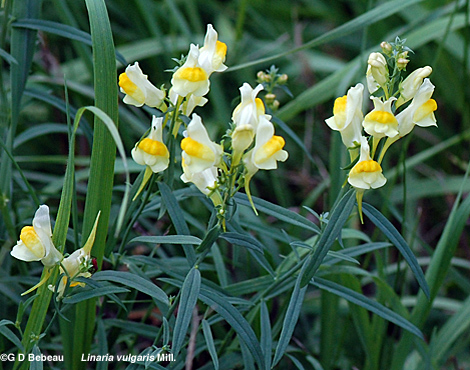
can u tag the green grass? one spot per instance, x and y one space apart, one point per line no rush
293 288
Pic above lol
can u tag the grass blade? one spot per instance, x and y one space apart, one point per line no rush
395 237
189 296
338 218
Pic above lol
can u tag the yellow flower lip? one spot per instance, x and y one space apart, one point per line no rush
340 105
31 239
424 110
366 166
153 147
193 74
275 144
382 117
196 149
126 84
221 49
259 106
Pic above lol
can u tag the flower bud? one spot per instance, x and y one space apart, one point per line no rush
378 68
386 48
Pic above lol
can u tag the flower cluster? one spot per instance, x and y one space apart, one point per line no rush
218 170
36 244
388 121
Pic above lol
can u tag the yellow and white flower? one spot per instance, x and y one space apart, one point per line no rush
189 103
347 116
199 152
381 122
367 173
212 54
138 89
77 264
377 72
205 181
250 108
151 151
410 86
35 242
420 112
191 78
268 149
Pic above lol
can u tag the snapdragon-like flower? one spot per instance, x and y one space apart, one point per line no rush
199 151
381 122
138 89
268 150
377 68
410 86
367 173
189 103
77 264
205 181
246 116
212 54
250 108
191 78
420 112
347 116
35 242
151 151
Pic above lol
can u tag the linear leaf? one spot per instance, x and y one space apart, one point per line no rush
235 319
177 218
133 281
92 293
206 329
167 239
188 300
290 320
338 218
278 212
266 334
7 333
243 240
367 303
60 29
394 236
7 57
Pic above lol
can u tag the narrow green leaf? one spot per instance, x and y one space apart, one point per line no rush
235 319
92 293
177 218
102 345
36 364
278 212
394 236
356 251
188 300
338 218
56 28
206 329
243 240
7 333
60 29
290 320
7 57
167 239
266 339
368 304
210 238
456 326
133 281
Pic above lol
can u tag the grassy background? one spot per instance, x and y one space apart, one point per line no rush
425 172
